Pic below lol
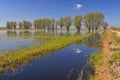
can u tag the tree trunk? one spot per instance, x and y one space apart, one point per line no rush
96 28
67 29
56 29
61 29
89 29
52 29
104 29
78 29
44 29
92 29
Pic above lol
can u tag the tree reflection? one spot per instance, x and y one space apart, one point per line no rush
77 33
91 42
11 34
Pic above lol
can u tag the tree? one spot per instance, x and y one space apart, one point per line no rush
47 23
77 22
8 25
104 25
27 24
67 23
99 18
20 25
35 24
56 25
61 22
43 24
52 24
40 24
14 24
89 21
11 25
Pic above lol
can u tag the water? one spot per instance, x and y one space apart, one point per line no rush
12 40
65 64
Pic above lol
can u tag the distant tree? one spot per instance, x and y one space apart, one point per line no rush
67 23
56 25
11 25
20 25
52 24
35 24
104 25
92 22
47 23
8 25
43 24
30 24
27 24
14 24
99 18
40 24
61 22
89 21
77 22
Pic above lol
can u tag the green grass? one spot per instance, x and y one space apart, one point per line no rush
14 59
95 59
104 35
114 34
116 40
115 58
80 76
116 54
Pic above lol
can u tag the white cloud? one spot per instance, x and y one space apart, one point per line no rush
78 6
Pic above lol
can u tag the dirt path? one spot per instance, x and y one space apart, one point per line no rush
103 71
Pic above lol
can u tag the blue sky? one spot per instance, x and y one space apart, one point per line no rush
17 10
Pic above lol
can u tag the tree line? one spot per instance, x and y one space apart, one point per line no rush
92 21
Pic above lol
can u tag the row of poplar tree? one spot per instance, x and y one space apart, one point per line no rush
92 21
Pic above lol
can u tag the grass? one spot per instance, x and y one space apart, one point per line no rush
104 35
96 58
116 54
80 76
14 59
115 58
96 61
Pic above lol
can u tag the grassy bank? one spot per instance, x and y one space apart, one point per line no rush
13 59
115 55
96 61
100 60
107 61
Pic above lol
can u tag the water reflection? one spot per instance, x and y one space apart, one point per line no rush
86 72
77 33
91 42
18 39
12 34
64 64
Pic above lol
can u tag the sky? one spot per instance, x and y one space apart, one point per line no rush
18 10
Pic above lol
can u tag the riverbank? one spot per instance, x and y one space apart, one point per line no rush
106 63
14 59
